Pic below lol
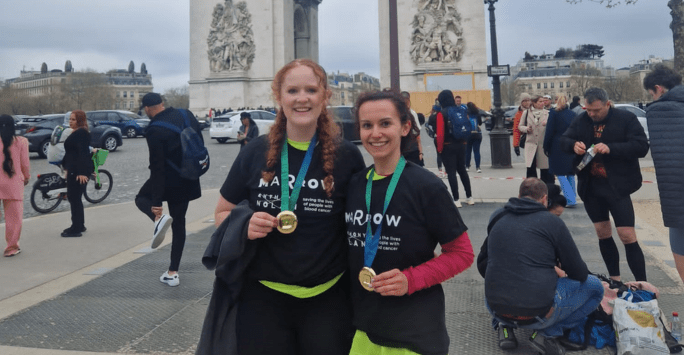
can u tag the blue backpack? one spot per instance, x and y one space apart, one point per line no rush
195 161
459 124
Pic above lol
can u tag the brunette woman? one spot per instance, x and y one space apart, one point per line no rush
14 175
533 122
248 131
400 212
295 296
475 139
79 166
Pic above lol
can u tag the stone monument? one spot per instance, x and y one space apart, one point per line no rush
442 45
236 48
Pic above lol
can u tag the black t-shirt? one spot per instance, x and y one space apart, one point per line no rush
420 215
316 251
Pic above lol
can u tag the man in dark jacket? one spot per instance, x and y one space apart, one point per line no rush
613 174
524 286
165 183
666 128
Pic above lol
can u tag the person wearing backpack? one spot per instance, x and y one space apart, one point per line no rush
165 182
453 130
475 139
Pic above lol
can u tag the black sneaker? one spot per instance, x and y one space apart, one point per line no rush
546 345
71 234
507 340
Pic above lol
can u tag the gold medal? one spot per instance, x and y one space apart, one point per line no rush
287 222
365 277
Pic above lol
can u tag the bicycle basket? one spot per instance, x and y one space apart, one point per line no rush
100 156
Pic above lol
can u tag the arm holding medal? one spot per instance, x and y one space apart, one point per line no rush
260 224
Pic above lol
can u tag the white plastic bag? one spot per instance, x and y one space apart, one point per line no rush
637 329
55 153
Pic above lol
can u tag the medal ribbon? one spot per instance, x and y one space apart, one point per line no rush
287 202
372 240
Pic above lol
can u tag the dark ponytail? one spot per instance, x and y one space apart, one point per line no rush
7 135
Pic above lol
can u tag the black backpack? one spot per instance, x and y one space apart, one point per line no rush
195 161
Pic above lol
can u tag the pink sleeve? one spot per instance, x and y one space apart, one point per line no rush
24 160
456 257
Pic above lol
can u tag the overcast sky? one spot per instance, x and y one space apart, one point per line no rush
103 35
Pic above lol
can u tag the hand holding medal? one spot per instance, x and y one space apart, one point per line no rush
260 225
391 283
287 219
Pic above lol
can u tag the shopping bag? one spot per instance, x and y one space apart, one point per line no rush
637 329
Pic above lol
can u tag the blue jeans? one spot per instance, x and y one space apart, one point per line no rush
573 301
473 147
567 185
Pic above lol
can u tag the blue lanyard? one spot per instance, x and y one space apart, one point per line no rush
288 203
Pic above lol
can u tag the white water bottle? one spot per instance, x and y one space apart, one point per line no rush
676 327
586 159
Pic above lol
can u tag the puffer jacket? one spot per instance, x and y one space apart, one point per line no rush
666 128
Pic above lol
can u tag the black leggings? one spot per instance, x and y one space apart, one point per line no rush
74 195
271 322
453 156
544 174
177 210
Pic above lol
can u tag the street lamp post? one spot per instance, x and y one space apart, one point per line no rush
499 137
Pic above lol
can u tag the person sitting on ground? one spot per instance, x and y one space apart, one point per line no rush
524 288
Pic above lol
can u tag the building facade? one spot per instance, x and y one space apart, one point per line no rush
346 88
129 87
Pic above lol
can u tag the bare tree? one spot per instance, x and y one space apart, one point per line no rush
623 89
677 25
177 97
583 77
510 91
88 90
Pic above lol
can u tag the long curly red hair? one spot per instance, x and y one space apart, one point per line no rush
328 131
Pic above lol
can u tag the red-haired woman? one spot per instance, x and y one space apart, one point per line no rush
79 166
295 296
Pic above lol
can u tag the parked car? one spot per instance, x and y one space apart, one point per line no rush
143 123
344 117
641 115
101 135
508 120
226 126
124 120
37 130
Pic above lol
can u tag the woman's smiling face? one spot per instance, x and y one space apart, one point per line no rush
302 97
381 129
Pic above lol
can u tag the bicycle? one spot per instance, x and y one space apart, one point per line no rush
50 189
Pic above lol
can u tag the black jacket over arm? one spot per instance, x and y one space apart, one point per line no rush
624 136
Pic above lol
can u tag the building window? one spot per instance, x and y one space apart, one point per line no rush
561 85
538 85
125 93
118 94
552 85
567 84
116 106
130 104
545 85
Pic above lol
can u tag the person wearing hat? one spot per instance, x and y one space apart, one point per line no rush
548 102
248 130
165 183
524 105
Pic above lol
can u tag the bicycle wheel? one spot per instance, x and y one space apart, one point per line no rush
96 192
44 202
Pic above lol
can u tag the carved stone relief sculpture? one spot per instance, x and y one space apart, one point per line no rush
231 40
437 34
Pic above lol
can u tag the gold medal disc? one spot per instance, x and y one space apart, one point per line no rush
365 277
287 222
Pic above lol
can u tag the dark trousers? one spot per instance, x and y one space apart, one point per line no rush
453 156
74 195
544 174
177 210
271 322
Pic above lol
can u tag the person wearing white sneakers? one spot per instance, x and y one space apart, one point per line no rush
165 182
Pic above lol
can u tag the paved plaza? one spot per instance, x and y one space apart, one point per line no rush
100 294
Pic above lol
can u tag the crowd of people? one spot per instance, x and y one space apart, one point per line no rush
320 253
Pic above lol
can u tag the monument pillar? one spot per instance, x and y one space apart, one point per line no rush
236 47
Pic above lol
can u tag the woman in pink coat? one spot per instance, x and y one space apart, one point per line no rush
14 175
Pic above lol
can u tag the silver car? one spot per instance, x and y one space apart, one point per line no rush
641 115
